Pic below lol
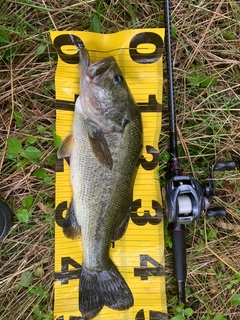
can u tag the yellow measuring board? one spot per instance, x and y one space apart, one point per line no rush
139 255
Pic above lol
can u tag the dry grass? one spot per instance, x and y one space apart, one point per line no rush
206 46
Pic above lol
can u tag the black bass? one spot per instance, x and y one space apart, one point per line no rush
104 149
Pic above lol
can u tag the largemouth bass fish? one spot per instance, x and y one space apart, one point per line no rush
104 149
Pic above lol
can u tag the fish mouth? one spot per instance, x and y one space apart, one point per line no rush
95 97
99 68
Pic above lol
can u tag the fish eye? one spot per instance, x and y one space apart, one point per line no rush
118 78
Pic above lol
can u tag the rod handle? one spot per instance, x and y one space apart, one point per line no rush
178 234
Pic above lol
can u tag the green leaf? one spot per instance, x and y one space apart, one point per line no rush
14 145
41 292
194 81
228 35
40 173
178 309
18 118
48 180
4 39
95 25
23 215
207 81
26 279
211 234
37 311
32 153
40 49
188 311
219 317
31 139
10 155
52 159
27 202
57 140
41 129
178 317
202 81
235 301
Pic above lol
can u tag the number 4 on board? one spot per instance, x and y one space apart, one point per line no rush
153 315
144 271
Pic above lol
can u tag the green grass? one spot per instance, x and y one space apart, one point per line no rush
207 83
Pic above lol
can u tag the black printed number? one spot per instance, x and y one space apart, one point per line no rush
61 207
66 274
142 38
153 315
144 271
150 165
142 220
63 40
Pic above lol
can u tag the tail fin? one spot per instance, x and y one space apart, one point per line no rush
103 288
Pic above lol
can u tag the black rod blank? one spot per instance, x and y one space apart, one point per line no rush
178 232
169 63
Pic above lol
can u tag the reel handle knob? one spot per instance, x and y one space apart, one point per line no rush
216 212
225 166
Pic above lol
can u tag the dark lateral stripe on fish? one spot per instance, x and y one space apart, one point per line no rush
151 106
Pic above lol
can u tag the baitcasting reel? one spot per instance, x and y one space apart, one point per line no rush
186 199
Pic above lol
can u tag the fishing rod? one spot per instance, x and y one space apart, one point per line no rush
186 200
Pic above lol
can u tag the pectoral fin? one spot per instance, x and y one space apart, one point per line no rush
100 148
66 147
